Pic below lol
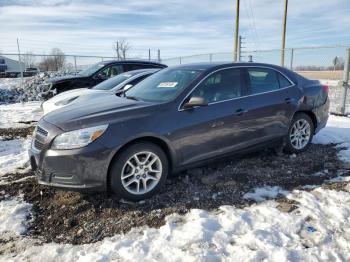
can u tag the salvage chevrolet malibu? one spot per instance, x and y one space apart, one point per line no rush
175 119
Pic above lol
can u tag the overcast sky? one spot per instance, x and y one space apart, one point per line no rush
176 27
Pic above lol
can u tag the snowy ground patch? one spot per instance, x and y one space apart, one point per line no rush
13 155
9 83
13 217
318 229
19 114
263 193
337 131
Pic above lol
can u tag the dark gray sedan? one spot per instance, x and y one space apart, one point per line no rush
177 118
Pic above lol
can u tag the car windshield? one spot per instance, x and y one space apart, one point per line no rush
91 69
112 82
163 86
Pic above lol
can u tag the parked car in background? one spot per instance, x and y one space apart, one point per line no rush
32 70
179 117
121 82
94 75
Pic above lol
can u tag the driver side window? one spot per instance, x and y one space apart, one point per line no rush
222 85
112 70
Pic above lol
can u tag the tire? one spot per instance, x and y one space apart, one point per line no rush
127 176
297 140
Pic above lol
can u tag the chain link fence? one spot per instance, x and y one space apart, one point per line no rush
63 63
327 64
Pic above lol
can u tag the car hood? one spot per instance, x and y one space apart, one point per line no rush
59 79
80 94
68 95
95 111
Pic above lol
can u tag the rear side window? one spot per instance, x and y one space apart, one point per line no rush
131 67
223 85
284 82
262 80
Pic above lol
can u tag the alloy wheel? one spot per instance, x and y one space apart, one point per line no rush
300 134
141 172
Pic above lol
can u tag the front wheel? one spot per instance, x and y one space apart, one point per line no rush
139 171
300 133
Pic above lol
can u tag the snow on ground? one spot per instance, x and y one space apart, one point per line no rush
337 131
319 229
13 216
9 83
263 193
19 114
13 155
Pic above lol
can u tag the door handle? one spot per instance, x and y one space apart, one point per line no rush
288 100
240 112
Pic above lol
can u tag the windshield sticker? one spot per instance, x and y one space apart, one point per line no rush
167 84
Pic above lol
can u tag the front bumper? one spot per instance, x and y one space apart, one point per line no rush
83 169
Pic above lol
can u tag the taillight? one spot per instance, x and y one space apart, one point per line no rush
325 88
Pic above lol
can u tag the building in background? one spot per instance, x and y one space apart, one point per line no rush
10 65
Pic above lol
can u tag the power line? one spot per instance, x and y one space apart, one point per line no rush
251 32
254 24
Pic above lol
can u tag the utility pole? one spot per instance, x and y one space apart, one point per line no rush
235 52
159 55
20 63
240 48
284 31
149 54
118 56
345 82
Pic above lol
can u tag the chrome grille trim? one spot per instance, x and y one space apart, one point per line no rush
38 143
41 131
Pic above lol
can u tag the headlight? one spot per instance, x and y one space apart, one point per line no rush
78 138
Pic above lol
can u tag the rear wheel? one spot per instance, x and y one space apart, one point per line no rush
139 171
300 133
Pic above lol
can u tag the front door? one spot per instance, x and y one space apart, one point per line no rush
212 130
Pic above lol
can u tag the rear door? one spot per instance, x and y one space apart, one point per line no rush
270 103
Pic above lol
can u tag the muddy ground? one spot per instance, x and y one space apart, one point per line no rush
69 217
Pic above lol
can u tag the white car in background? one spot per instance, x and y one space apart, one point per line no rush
113 85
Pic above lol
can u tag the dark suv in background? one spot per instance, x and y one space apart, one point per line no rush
94 75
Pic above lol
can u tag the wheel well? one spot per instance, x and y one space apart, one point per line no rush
311 115
163 145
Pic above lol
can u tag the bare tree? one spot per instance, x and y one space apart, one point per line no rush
55 62
28 59
58 58
121 48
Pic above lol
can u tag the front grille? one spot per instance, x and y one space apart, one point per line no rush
38 145
41 131
39 140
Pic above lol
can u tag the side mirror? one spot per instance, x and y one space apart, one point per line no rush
195 101
126 87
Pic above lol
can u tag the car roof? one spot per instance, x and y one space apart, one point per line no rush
141 71
218 65
144 62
